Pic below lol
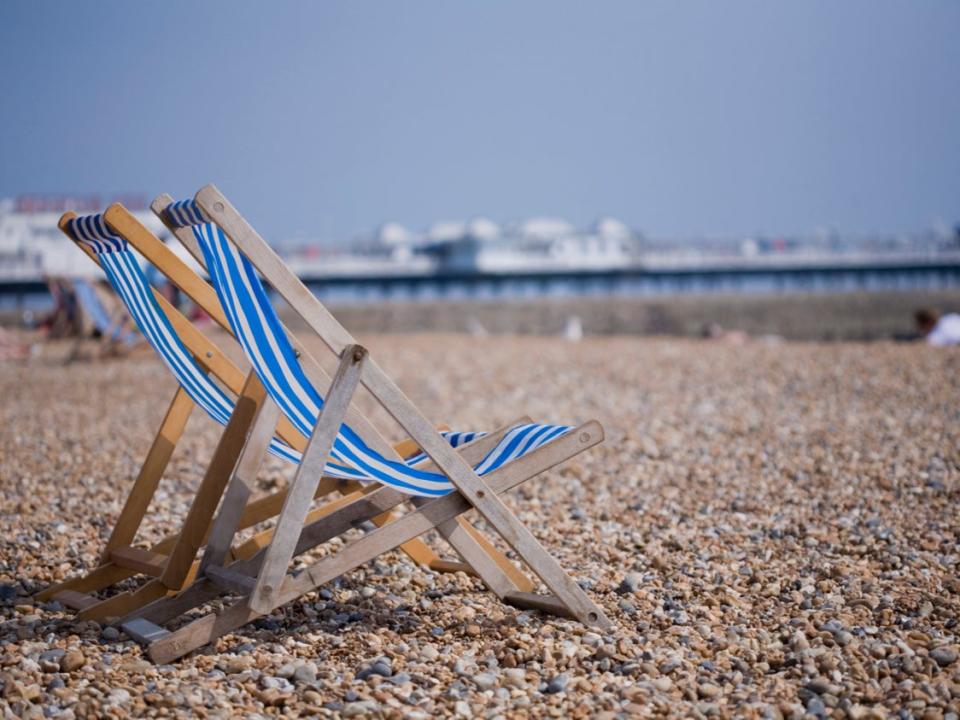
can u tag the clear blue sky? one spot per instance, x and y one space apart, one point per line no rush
323 119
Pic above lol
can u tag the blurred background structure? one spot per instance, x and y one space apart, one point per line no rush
786 168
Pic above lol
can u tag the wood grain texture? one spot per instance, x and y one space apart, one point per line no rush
241 486
466 543
336 517
124 603
138 559
154 465
203 630
204 504
297 504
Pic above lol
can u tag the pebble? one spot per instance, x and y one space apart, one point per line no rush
485 681
663 683
944 656
379 667
517 677
276 683
793 538
557 684
708 690
360 708
630 584
72 660
305 674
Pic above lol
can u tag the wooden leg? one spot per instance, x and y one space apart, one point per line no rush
475 555
201 631
478 494
297 504
519 578
151 471
102 576
195 527
242 484
341 515
125 529
124 603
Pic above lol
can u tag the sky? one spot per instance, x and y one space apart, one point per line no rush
321 120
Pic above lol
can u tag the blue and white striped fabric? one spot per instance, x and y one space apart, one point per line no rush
184 213
87 297
255 324
131 285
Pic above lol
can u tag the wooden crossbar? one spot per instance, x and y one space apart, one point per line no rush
208 627
321 524
295 507
138 559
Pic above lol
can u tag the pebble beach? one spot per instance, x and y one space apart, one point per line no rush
773 528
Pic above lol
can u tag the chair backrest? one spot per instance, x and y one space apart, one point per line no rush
266 344
93 306
128 280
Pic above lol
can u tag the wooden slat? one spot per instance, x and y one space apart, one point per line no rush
165 609
100 577
231 580
535 601
297 503
139 559
195 526
154 465
123 603
242 484
75 600
201 631
519 579
270 505
346 511
450 566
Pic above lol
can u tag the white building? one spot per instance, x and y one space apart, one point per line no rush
32 246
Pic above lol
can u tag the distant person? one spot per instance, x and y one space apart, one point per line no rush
573 330
936 329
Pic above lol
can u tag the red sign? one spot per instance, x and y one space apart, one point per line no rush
77 203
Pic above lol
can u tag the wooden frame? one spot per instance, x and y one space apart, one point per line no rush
263 580
106 346
465 539
170 564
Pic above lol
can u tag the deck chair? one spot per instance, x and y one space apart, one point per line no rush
465 541
103 318
193 359
190 356
447 484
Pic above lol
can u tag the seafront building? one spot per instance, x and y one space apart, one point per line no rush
479 258
31 245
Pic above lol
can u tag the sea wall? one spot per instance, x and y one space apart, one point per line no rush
845 316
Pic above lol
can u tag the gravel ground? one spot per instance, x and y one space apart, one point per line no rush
772 528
